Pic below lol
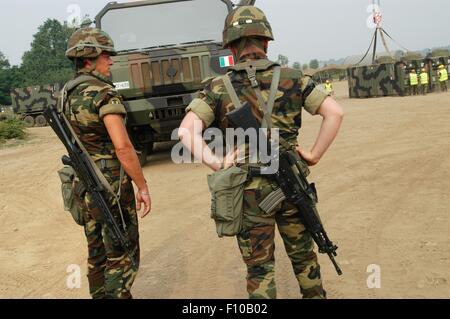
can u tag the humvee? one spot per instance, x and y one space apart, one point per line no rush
166 49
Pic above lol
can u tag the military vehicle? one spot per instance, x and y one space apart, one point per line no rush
436 58
411 61
166 49
29 103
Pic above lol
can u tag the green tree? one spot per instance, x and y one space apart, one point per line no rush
314 64
46 63
297 65
4 80
304 67
16 77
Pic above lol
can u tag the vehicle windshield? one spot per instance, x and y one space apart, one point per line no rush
165 24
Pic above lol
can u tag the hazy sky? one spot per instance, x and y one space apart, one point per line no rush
303 29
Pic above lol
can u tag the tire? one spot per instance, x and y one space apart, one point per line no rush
29 121
144 152
143 142
41 121
142 155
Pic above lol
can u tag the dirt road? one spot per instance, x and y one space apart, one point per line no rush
385 199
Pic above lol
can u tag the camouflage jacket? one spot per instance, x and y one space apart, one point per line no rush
88 104
295 92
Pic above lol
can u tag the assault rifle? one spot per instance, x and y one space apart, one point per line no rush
83 165
294 188
292 181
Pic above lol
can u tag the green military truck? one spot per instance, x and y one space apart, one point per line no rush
29 103
166 49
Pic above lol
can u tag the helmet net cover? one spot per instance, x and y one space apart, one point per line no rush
246 21
89 43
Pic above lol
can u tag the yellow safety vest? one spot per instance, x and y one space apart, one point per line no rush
443 75
423 78
413 79
329 87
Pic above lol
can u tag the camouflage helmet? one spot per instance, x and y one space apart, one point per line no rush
89 43
246 21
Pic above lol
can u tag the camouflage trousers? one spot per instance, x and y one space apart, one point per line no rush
413 90
110 271
257 246
444 86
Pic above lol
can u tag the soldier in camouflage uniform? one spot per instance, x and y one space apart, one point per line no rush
247 33
96 113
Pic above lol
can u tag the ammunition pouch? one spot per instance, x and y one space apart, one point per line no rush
243 117
70 191
227 200
274 199
272 202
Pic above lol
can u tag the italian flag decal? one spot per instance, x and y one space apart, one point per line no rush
226 61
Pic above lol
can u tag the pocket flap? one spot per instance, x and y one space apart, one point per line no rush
227 178
66 174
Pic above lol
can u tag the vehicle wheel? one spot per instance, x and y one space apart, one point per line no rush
142 155
41 121
143 141
144 152
29 121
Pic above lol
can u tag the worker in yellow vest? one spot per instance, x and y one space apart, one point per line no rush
413 82
329 87
443 78
424 81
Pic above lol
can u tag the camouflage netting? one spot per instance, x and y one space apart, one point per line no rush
440 53
411 56
385 59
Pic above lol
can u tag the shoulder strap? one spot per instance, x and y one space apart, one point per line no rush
231 91
70 86
267 108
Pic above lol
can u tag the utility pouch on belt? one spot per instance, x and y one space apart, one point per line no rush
67 176
227 200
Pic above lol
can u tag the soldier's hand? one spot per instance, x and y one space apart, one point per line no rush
308 156
143 202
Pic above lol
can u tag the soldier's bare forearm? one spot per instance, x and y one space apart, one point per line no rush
333 115
190 134
196 145
130 163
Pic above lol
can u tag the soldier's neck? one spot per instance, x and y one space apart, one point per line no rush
252 56
94 74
